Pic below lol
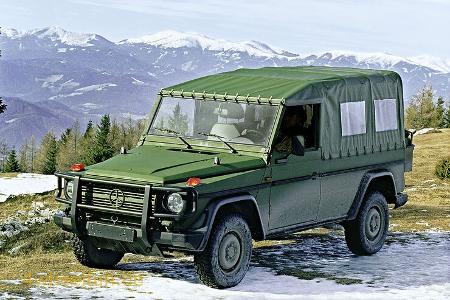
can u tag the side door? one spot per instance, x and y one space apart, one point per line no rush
295 191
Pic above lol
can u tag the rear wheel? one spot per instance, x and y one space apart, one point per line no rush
367 233
89 255
226 257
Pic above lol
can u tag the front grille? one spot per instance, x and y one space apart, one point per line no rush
115 197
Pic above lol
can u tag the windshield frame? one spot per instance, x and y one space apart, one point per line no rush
216 144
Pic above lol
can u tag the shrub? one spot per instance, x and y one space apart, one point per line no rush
442 170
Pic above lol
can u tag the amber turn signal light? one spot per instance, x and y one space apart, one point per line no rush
193 181
77 167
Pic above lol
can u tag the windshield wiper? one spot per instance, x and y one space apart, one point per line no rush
221 138
176 133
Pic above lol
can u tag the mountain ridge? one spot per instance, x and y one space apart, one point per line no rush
92 75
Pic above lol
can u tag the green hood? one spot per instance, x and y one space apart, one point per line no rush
165 165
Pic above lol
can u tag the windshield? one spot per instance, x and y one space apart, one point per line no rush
238 123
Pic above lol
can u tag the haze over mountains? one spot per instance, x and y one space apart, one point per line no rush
51 77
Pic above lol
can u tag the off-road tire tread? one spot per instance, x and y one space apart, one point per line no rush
81 253
354 235
202 260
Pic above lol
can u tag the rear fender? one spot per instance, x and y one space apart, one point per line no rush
364 186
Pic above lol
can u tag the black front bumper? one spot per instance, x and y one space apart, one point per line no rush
141 240
400 200
117 237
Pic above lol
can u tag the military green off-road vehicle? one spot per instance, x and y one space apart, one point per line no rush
207 176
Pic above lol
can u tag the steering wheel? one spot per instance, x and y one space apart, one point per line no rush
256 133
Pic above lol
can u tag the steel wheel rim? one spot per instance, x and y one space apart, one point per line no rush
230 252
373 224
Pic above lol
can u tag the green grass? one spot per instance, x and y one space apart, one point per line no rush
428 206
8 175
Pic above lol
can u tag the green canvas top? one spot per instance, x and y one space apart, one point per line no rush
331 87
289 83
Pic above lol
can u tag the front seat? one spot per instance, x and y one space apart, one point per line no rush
227 111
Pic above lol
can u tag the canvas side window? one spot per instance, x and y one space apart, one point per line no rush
353 118
385 114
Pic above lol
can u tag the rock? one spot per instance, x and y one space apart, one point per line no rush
12 227
37 205
15 250
47 213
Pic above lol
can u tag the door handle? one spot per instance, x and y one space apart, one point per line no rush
281 161
314 175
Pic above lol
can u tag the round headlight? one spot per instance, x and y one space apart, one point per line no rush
68 189
175 203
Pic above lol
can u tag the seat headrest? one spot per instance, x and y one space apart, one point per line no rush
230 110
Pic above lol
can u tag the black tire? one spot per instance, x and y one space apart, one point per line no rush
90 256
367 233
218 266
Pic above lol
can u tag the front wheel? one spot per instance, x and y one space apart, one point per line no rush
226 257
91 256
367 233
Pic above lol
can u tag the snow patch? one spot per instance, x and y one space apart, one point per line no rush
138 82
64 96
426 131
89 105
26 183
96 87
11 120
51 78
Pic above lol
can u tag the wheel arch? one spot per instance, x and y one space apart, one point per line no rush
375 180
243 204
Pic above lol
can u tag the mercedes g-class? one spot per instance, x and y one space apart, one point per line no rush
242 155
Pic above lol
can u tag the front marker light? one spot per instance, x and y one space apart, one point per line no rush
68 189
175 203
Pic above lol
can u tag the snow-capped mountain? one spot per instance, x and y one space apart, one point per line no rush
93 76
173 39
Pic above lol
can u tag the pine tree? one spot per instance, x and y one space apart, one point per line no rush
178 121
102 148
86 143
12 165
2 106
89 130
440 112
50 155
447 118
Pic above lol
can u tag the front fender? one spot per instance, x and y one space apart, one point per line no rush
215 207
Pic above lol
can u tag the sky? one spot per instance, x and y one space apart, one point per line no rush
399 27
